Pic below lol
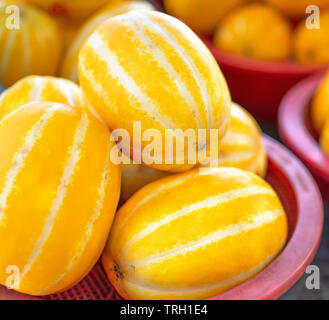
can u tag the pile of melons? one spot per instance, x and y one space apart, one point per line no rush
320 113
267 30
183 231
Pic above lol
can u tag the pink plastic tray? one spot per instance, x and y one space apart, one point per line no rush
298 134
303 204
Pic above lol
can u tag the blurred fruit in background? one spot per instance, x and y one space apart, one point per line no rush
201 15
255 31
312 45
297 8
33 48
320 105
71 8
70 64
68 29
147 66
37 88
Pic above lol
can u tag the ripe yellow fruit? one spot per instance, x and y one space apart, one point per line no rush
58 195
33 48
242 146
311 46
324 139
194 235
320 105
297 8
36 88
70 65
201 15
149 68
71 8
256 31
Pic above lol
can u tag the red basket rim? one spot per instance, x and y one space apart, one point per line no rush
293 131
245 64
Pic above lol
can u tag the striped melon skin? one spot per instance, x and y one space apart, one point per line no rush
40 88
34 48
147 66
194 235
58 195
71 8
242 146
69 67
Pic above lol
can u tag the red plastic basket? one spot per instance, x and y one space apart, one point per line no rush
298 134
303 204
259 86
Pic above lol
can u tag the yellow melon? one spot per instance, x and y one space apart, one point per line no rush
58 195
33 48
150 68
69 68
38 88
242 146
255 31
201 15
320 105
194 235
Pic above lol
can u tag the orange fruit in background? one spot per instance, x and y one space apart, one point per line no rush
33 48
312 45
242 146
255 31
324 139
149 68
320 105
194 235
69 30
297 8
58 195
38 88
201 15
71 8
69 68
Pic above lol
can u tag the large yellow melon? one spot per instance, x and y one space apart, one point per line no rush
242 147
71 8
69 68
58 195
38 88
255 31
320 105
201 15
33 48
194 235
149 68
